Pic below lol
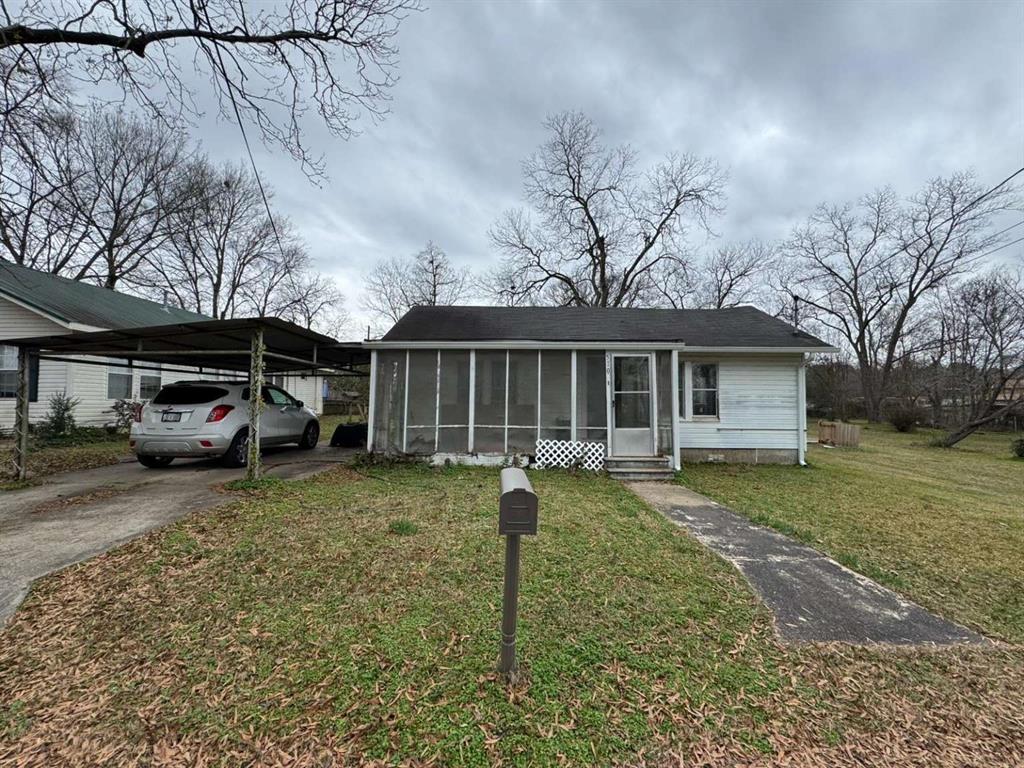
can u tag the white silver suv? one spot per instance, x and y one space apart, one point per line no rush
195 419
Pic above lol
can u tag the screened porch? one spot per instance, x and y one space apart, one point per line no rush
500 402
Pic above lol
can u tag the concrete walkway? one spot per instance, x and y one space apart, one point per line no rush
77 515
812 597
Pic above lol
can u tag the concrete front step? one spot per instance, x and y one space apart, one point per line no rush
636 462
642 475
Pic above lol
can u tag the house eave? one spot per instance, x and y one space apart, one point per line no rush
647 346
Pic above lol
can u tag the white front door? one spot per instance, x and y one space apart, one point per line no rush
632 405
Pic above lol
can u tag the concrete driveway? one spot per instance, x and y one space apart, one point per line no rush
76 515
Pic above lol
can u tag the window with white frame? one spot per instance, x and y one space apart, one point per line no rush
705 389
119 383
149 383
8 371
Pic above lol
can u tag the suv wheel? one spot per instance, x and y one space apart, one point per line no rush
155 462
238 452
310 436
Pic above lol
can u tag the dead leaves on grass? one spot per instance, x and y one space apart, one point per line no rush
104 669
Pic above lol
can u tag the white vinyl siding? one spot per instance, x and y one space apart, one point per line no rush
757 404
18 322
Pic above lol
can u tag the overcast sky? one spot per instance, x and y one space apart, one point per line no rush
801 102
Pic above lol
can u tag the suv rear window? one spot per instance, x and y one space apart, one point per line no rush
179 395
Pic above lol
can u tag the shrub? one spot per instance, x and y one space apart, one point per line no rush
59 421
1017 448
904 418
124 414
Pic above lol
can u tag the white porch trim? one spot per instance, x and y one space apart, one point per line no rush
373 400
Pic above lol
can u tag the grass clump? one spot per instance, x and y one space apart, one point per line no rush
403 527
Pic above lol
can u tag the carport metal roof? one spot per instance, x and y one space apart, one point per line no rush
255 344
222 344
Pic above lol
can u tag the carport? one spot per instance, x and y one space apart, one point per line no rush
258 345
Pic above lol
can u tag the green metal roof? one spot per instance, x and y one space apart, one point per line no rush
77 302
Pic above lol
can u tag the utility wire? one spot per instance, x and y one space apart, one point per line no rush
1012 226
245 138
1001 247
962 211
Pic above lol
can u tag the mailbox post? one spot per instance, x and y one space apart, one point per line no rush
517 516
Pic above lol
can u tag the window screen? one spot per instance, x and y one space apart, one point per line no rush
454 391
522 389
490 392
453 435
8 371
389 402
119 383
591 397
705 389
423 389
555 395
663 364
149 385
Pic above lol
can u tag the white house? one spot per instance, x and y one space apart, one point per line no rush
660 385
36 303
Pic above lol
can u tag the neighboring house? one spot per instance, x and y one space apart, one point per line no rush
470 383
36 303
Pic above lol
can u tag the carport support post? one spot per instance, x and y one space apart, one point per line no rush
21 415
252 471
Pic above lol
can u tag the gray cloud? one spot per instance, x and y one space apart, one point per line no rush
802 102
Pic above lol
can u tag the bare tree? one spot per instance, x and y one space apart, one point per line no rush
599 227
38 228
270 64
123 183
863 270
89 197
982 343
314 301
427 278
733 274
219 246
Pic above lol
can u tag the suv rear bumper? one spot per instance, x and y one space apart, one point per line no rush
184 445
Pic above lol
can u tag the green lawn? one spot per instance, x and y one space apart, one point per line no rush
944 526
354 618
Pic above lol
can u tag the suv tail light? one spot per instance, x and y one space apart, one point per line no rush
219 412
137 412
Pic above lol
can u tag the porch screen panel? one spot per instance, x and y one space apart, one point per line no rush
389 399
663 366
522 401
422 400
489 406
556 395
453 432
591 397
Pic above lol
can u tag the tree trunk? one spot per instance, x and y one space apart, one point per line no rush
954 436
872 398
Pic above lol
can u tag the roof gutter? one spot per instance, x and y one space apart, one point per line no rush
647 346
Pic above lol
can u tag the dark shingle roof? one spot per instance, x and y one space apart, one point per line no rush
77 302
734 327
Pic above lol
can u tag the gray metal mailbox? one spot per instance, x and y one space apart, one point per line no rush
517 512
517 516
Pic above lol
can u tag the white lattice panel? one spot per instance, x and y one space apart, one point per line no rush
566 453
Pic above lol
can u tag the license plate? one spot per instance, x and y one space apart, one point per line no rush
170 417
